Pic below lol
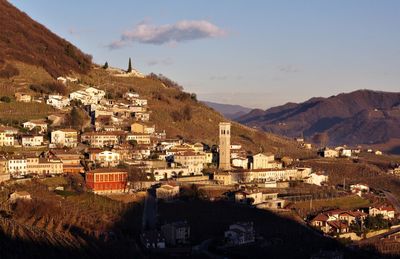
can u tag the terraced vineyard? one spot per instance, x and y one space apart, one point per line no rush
80 223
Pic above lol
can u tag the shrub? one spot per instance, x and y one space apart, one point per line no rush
9 71
5 99
165 80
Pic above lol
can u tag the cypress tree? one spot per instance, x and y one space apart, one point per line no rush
129 66
105 65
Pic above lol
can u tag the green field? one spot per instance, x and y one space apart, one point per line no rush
347 202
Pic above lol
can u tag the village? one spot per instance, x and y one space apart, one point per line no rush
124 153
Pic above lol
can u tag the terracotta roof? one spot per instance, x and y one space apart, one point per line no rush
337 224
320 217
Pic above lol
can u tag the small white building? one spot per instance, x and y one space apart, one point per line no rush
107 159
130 95
40 124
359 188
167 192
240 233
17 166
57 101
240 162
316 178
20 195
32 140
386 212
330 153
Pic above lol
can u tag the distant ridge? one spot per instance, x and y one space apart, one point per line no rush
230 111
359 117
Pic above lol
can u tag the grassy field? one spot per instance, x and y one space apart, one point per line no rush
19 112
347 202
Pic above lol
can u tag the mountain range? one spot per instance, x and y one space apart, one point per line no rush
362 117
230 111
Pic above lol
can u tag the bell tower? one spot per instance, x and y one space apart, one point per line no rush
224 146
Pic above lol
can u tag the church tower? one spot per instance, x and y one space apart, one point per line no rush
224 146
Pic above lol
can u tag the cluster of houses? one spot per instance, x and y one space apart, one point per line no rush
343 151
123 136
339 221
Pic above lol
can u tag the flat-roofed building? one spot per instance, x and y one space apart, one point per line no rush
107 180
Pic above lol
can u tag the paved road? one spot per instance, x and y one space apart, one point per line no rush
149 219
393 200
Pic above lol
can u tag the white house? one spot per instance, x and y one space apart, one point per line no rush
88 95
316 178
57 101
20 195
359 188
17 166
386 212
262 161
64 138
139 102
31 140
240 233
41 124
107 158
131 95
330 153
167 191
240 162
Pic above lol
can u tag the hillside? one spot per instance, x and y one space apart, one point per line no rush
230 111
360 117
23 39
169 103
38 56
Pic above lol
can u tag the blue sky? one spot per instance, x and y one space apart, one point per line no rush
253 53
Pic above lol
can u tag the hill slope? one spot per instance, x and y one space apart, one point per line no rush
360 117
230 111
23 39
40 55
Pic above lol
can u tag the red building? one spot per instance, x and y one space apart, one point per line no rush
107 180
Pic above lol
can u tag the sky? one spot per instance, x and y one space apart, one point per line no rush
257 54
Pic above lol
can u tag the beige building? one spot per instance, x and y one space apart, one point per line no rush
140 138
224 146
31 140
194 161
44 166
71 160
22 97
4 174
101 139
145 128
64 138
223 178
6 139
263 161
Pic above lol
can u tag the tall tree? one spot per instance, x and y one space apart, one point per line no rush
105 65
129 66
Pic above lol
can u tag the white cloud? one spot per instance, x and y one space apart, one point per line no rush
181 31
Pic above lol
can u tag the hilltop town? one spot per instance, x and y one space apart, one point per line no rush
117 152
103 162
